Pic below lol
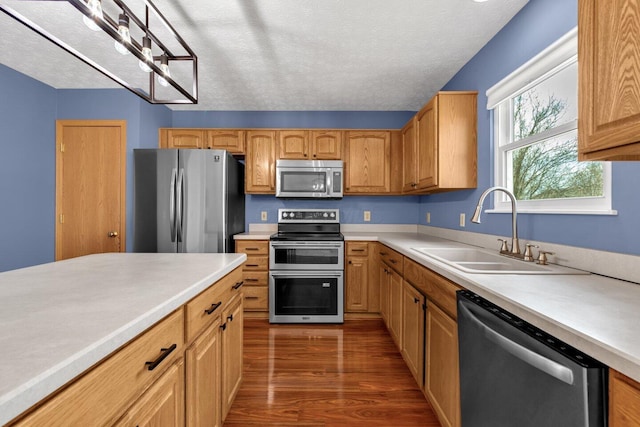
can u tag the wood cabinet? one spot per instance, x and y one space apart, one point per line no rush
440 145
255 275
185 367
608 80
390 276
310 144
232 337
182 138
361 287
367 162
231 140
161 405
203 371
442 377
413 323
624 400
260 162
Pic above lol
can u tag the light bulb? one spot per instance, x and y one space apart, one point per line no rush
96 13
125 35
164 66
146 52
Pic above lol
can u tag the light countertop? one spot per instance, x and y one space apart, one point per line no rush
59 319
596 314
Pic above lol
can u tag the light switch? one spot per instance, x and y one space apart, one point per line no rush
263 215
367 216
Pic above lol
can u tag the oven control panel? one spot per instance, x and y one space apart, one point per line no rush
308 215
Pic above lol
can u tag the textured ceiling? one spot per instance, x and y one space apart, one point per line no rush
289 54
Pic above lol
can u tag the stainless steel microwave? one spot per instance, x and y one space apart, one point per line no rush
307 179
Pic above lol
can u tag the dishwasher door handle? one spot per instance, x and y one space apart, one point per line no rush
530 357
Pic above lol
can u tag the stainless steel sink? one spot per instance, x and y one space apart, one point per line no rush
472 260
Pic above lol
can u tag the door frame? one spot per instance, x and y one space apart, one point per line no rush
122 124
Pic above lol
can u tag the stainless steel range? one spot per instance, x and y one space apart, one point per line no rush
306 267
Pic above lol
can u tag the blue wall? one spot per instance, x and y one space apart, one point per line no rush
27 170
539 24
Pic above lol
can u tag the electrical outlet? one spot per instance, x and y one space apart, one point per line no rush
367 216
462 218
428 217
263 215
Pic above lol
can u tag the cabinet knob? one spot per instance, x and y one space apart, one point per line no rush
113 234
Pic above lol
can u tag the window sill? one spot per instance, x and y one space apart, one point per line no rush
555 212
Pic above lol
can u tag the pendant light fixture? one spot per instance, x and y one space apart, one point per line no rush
164 66
99 16
125 35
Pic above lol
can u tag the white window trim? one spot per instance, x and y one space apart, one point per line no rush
559 55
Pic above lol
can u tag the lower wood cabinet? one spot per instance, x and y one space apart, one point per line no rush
232 337
255 275
203 374
162 404
413 322
624 400
442 377
362 293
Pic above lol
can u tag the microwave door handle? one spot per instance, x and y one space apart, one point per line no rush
328 184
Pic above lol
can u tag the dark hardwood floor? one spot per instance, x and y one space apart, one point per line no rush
326 376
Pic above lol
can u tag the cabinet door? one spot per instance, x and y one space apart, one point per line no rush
609 80
427 144
442 380
413 319
203 379
357 282
185 138
383 280
260 162
232 336
624 400
395 307
293 144
326 145
231 140
409 157
368 162
162 404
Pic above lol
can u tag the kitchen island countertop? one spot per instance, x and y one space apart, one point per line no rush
59 319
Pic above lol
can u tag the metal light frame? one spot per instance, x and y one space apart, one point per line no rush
110 26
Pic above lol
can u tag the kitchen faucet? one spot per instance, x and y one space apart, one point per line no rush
515 244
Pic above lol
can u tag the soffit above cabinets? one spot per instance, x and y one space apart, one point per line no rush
302 55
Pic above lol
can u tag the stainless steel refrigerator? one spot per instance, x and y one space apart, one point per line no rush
187 200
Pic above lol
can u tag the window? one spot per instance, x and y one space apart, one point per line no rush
535 112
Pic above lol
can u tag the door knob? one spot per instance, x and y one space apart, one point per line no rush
113 234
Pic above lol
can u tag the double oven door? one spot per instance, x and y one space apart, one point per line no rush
306 282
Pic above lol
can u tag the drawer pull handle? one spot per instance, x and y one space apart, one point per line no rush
384 253
416 300
165 352
357 250
252 265
392 261
230 318
238 285
223 326
252 249
250 280
213 308
250 297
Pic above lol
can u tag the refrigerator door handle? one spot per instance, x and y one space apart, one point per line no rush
180 204
172 204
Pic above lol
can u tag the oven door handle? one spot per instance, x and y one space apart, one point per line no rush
303 273
301 244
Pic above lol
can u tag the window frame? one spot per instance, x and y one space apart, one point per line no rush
553 59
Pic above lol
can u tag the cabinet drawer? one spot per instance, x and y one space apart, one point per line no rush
357 249
253 247
101 395
439 290
390 257
256 263
207 306
256 298
255 278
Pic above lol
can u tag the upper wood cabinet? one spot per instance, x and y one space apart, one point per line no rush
309 145
440 145
367 162
182 138
609 80
231 140
260 162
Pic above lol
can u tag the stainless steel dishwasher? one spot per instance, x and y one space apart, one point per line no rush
514 374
